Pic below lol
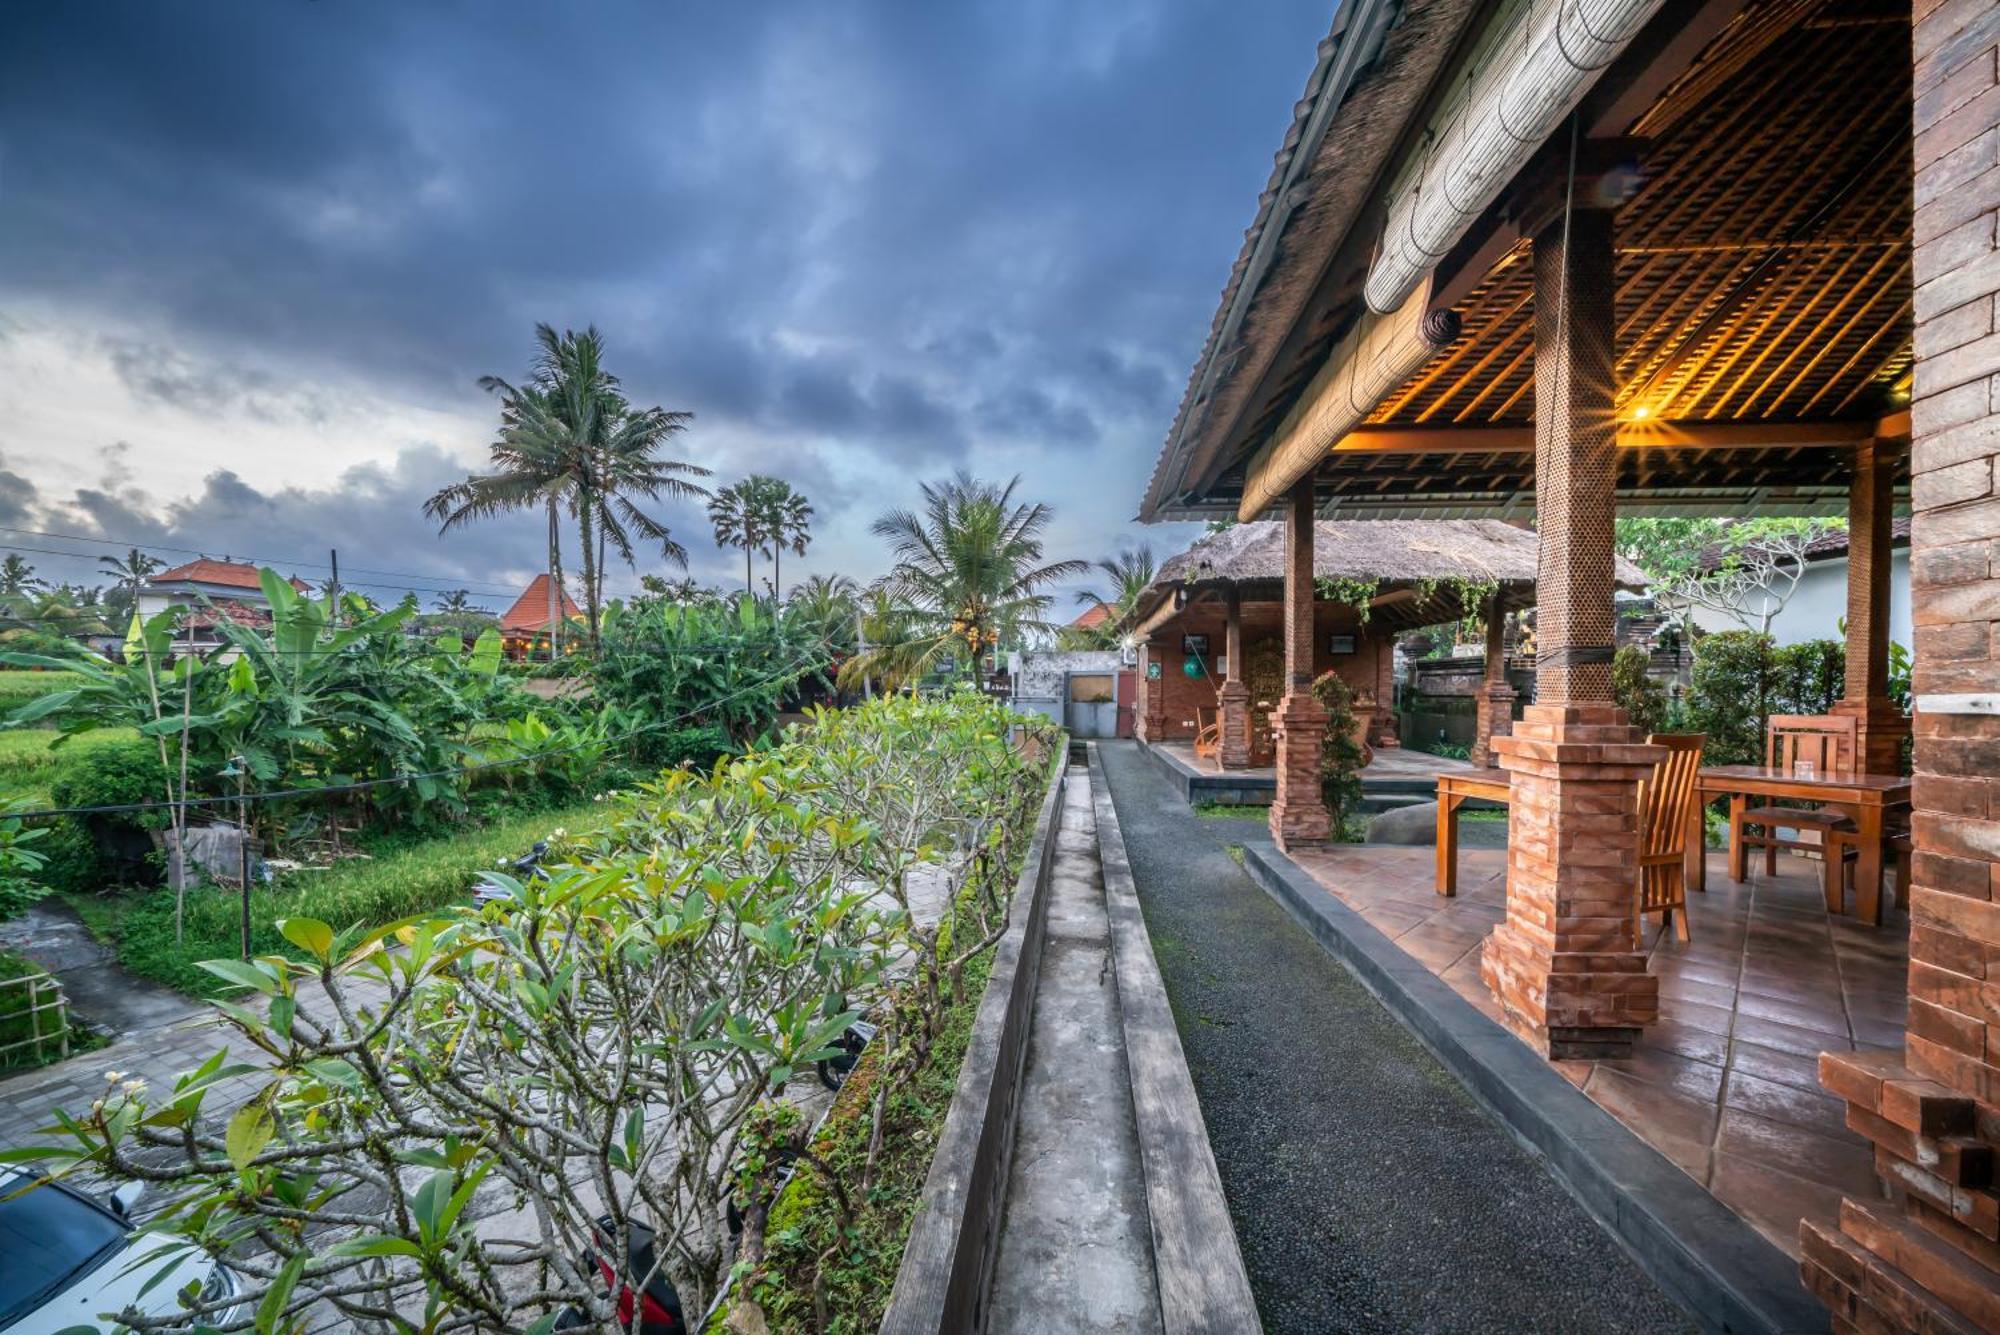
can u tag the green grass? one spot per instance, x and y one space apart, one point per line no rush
20 685
28 756
405 875
1231 811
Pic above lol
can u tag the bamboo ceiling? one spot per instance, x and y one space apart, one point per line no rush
1763 277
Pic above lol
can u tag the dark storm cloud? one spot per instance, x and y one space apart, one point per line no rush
908 231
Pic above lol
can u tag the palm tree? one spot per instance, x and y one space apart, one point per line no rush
828 605
131 570
457 600
969 572
787 522
17 576
569 441
738 520
1131 573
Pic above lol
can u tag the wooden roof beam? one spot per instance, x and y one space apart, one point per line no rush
1631 435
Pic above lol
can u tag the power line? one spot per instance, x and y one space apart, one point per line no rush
497 589
793 671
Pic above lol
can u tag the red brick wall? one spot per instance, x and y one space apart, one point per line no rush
1363 669
1934 1249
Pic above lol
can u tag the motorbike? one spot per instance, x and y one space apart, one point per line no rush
636 1281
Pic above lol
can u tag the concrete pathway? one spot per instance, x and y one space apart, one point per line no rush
1369 1192
102 993
1075 1247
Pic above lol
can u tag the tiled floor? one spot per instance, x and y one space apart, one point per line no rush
1390 762
1725 1084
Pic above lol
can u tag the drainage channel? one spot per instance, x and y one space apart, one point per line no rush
1075 1249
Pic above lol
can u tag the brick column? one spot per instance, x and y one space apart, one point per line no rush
1494 705
1566 964
1298 725
1880 726
1928 1258
1234 696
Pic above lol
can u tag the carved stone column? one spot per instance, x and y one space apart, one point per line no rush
1298 725
1881 728
1494 705
1234 696
1566 964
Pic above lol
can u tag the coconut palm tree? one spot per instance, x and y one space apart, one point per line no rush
17 576
569 441
969 572
1131 573
828 606
130 571
456 600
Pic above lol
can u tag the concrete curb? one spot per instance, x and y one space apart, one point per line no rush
1727 1276
955 1236
1230 790
1203 1285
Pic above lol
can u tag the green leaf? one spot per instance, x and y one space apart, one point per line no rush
273 1307
242 974
377 1244
308 934
250 1130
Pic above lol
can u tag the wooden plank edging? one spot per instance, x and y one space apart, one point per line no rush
948 1259
1203 1285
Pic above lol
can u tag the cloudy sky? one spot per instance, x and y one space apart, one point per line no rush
254 255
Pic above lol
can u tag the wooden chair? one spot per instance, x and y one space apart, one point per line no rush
1827 741
1667 800
1207 733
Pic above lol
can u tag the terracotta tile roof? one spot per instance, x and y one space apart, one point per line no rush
1092 617
228 609
234 574
530 611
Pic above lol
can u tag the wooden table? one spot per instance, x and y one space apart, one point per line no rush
1454 788
1867 795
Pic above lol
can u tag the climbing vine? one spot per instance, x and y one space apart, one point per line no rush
1358 594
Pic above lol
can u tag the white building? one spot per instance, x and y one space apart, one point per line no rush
1815 609
209 590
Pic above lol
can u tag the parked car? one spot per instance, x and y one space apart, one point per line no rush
66 1260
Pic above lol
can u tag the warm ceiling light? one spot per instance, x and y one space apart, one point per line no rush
1641 413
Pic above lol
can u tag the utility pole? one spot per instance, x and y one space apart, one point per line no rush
555 591
860 649
333 558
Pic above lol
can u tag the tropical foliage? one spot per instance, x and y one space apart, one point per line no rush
596 1044
761 514
1130 573
969 574
571 443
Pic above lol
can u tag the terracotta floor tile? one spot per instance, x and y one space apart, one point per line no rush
1846 1164
1698 1080
1651 1110
1775 1064
1830 1018
1815 1110
1699 1044
1788 1037
1772 1200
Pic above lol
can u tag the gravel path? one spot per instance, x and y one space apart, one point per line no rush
1370 1193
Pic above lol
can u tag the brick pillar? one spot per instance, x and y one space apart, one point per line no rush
1881 727
1234 696
1494 705
1298 725
1566 964
1928 1257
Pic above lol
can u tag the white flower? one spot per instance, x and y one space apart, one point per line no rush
113 1077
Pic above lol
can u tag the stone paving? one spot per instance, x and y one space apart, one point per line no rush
1726 1084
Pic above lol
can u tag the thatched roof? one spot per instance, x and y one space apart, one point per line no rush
1391 550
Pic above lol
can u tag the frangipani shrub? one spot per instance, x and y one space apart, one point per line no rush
439 1110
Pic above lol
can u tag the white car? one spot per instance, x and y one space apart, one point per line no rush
64 1261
